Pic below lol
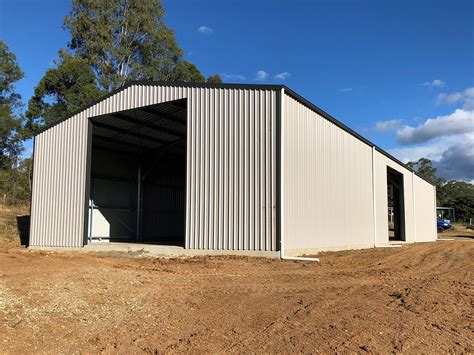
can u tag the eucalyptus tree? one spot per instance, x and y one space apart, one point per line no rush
124 40
11 119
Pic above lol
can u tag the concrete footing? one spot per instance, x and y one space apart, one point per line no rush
167 251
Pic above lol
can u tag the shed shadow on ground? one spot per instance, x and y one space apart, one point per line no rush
23 224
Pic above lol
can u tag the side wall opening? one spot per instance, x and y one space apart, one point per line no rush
396 205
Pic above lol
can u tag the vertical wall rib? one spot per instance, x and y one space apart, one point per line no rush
231 169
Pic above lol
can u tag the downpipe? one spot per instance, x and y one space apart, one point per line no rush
299 258
294 258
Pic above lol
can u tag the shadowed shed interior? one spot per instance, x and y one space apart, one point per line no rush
138 175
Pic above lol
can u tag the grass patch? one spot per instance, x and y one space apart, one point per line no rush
8 221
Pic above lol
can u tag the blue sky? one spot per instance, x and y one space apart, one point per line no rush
398 72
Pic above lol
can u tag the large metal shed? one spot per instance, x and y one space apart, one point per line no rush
220 167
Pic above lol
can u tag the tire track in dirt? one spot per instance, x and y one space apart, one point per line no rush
416 298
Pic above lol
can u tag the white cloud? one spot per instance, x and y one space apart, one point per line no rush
446 140
345 90
386 126
205 30
457 162
282 76
466 98
432 150
453 156
459 122
434 84
469 92
230 77
448 99
261 75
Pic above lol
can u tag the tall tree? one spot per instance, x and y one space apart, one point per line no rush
10 119
425 168
187 71
123 40
111 42
64 89
15 183
216 79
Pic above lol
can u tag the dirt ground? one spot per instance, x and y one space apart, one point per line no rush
413 299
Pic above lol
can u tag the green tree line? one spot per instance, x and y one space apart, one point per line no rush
455 194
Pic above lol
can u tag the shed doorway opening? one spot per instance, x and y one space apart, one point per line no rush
396 209
138 175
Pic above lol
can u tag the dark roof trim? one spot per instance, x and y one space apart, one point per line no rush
238 86
341 125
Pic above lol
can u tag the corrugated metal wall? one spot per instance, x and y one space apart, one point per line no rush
231 168
231 184
425 214
326 183
59 185
420 203
330 183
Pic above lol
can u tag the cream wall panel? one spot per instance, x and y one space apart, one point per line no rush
425 211
420 215
327 196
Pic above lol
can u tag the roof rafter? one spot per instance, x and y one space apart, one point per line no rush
129 133
148 124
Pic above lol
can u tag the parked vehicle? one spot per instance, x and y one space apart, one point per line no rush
443 225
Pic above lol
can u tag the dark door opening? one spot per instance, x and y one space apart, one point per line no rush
163 200
138 175
396 205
